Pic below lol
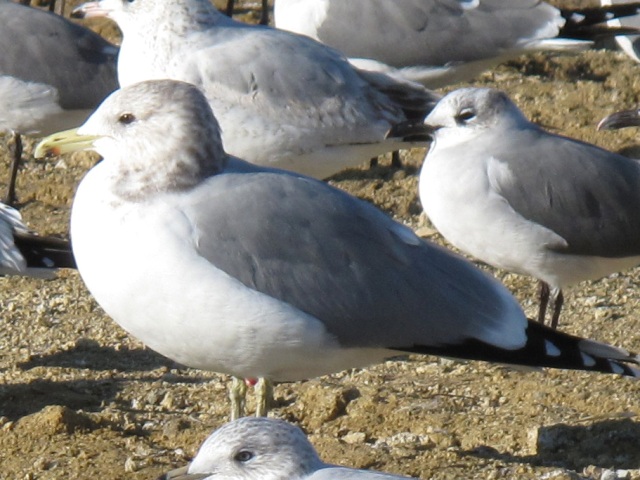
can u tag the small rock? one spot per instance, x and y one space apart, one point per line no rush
55 419
353 438
130 465
426 232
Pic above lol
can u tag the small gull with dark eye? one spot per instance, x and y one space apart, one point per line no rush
505 191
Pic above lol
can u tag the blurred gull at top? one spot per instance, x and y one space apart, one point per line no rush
441 42
283 100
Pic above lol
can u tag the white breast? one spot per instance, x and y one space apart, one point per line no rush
139 261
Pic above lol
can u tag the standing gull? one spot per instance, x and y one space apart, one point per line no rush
264 448
259 273
23 252
502 189
53 74
283 100
441 42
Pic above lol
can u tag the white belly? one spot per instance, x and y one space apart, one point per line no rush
141 266
459 201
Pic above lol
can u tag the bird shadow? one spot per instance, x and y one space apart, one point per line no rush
575 447
21 399
91 355
18 400
380 172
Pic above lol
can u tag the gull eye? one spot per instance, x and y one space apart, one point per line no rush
243 456
465 115
127 118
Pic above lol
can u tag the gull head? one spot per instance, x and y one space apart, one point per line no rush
467 113
143 15
253 448
622 119
154 136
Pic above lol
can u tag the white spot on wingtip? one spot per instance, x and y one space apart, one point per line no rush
615 368
551 350
469 4
577 17
405 234
587 360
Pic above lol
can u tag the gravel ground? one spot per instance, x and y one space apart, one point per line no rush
81 399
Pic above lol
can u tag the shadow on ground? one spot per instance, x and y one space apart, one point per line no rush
575 447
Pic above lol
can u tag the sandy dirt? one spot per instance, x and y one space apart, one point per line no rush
81 399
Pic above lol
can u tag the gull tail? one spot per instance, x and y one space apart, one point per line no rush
545 348
589 23
22 252
413 99
44 252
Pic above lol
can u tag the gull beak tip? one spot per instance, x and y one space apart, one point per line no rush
64 142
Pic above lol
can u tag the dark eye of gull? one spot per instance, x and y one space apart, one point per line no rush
465 115
243 456
127 118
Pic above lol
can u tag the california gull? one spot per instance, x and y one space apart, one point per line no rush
283 100
223 265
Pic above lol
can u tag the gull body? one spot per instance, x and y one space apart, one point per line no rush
226 266
438 42
282 100
505 191
268 449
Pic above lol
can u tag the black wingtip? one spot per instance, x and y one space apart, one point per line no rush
548 348
45 252
590 23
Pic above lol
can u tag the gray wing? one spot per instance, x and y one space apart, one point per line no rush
267 64
587 195
346 263
433 32
340 473
42 47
